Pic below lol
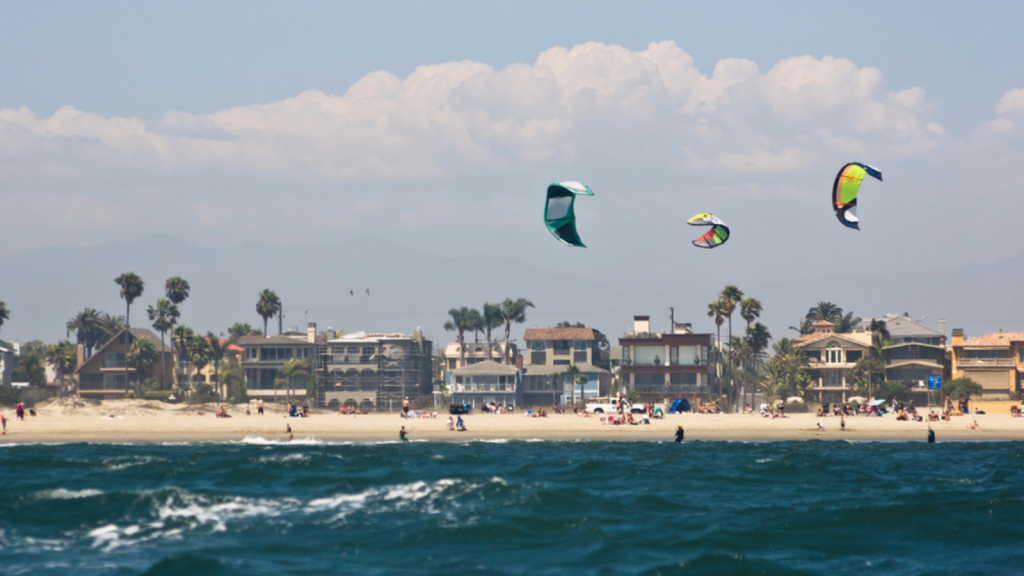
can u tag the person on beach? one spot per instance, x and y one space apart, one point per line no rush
931 435
405 407
680 434
19 411
842 424
974 425
820 427
402 434
259 406
3 422
460 426
287 428
451 423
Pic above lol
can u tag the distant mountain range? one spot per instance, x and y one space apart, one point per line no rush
411 288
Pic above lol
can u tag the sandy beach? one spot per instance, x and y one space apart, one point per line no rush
130 421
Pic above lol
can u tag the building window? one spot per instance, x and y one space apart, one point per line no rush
113 360
683 379
853 355
673 355
579 345
833 353
113 382
832 378
537 345
649 382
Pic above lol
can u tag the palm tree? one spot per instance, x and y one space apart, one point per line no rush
163 316
268 306
492 319
292 369
825 311
86 326
63 356
730 297
233 379
131 288
109 326
513 311
556 382
806 326
476 324
846 324
879 330
5 314
572 371
177 290
237 330
142 356
199 354
750 309
218 349
460 322
582 380
758 336
716 310
182 338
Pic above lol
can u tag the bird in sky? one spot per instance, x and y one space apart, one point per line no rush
367 291
351 293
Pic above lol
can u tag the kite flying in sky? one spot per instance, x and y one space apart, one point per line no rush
715 237
844 192
558 213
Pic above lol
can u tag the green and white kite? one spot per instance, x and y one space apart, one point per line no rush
558 211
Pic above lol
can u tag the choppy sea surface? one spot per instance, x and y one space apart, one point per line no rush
516 507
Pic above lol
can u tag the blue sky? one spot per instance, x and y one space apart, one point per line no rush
439 125
145 58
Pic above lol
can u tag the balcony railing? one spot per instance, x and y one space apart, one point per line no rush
579 357
987 362
538 357
559 351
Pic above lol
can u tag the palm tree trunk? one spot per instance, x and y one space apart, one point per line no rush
163 367
127 340
508 331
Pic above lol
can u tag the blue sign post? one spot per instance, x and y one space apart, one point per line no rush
934 383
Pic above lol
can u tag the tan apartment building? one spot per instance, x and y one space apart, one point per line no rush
831 358
996 361
477 352
265 356
549 351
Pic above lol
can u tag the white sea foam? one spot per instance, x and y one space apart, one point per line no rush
261 441
64 494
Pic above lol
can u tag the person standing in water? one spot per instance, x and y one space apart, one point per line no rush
402 434
931 435
679 434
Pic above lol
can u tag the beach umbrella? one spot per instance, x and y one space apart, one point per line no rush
858 399
878 402
795 399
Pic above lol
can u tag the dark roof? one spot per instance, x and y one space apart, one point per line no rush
547 369
136 333
900 327
560 334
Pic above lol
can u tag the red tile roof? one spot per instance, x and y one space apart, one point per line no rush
560 334
996 339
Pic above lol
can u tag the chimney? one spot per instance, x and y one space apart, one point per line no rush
641 324
519 361
311 332
81 354
958 336
942 326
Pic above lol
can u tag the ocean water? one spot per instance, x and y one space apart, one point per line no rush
558 508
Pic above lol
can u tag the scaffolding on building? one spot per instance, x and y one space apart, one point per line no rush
375 372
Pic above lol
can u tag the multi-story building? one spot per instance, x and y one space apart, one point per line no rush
210 373
831 357
265 356
996 361
665 366
103 373
376 371
914 353
486 382
549 352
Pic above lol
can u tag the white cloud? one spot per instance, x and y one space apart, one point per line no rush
454 117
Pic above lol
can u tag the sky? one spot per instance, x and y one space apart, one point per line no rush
439 125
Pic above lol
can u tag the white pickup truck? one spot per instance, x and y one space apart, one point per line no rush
608 407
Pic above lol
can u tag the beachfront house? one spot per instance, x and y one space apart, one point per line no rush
663 366
377 371
8 362
915 352
549 351
102 375
210 374
831 357
486 382
996 361
265 356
